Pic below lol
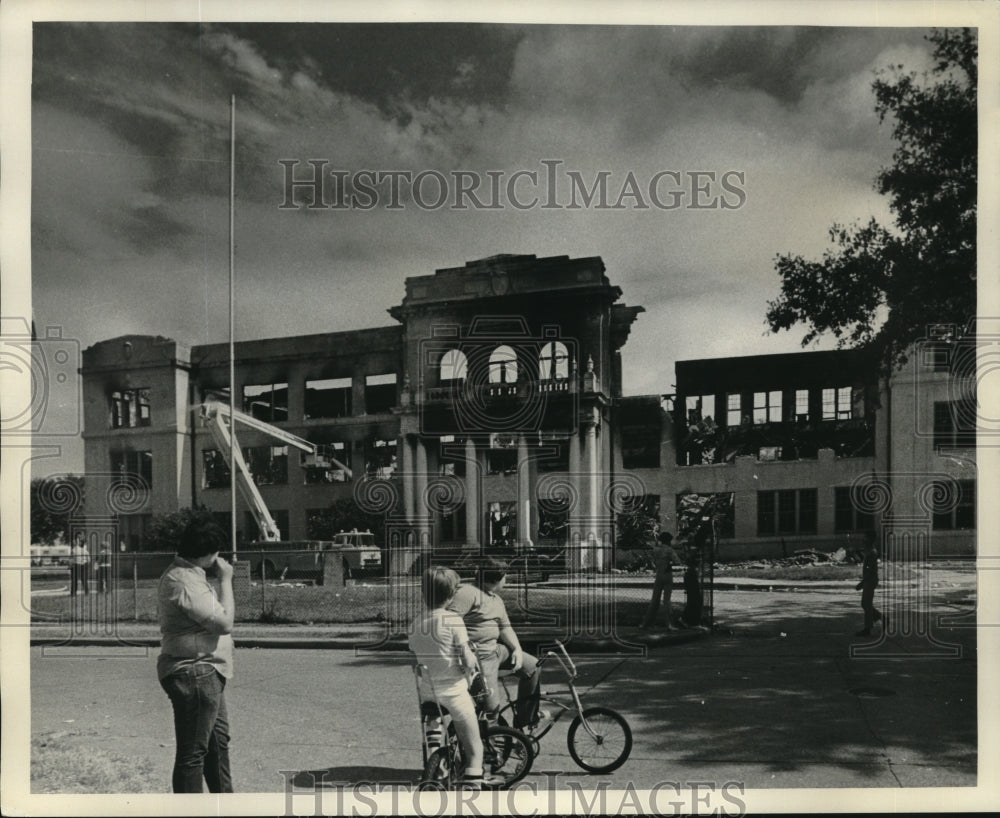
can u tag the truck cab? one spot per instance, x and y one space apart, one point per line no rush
360 551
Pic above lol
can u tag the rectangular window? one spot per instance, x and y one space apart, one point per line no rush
267 402
280 517
954 505
380 393
553 454
767 407
501 457
807 511
129 465
788 511
321 468
802 404
501 461
451 456
501 525
937 355
215 472
733 416
380 458
954 424
846 516
838 404
553 520
845 404
329 398
268 465
641 446
130 408
452 525
647 503
699 407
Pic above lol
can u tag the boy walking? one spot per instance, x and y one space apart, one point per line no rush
664 558
867 586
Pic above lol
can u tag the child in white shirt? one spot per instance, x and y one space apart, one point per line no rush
441 643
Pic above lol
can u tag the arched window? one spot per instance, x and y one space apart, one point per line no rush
553 363
453 365
503 365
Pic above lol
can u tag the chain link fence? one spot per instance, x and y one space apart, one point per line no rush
303 587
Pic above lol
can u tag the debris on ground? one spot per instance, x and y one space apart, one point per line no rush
804 556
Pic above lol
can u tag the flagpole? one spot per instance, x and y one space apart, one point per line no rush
232 322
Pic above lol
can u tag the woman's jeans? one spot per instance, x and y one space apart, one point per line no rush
201 727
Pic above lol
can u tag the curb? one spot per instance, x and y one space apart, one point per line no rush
530 641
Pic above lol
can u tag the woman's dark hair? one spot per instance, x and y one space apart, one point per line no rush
666 537
201 536
439 585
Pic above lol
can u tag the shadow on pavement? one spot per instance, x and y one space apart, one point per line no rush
355 776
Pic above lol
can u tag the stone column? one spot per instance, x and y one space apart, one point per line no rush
592 507
576 510
523 494
406 473
472 511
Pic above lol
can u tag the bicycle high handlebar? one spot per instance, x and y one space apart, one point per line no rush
564 659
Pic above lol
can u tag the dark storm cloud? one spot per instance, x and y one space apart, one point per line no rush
384 62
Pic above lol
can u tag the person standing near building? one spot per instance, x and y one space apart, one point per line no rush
664 558
79 565
867 586
104 570
196 655
694 599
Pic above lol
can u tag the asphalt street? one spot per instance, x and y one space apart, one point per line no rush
773 700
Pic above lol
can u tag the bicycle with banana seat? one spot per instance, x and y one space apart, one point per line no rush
599 738
507 753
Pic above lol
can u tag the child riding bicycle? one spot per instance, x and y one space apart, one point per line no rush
496 644
439 639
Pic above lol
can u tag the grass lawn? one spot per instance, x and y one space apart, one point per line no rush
375 603
59 764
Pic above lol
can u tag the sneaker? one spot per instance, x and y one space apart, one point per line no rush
470 783
542 719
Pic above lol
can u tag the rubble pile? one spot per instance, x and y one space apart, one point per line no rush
805 556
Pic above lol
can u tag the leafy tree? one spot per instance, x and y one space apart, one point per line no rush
53 501
922 271
702 517
636 526
164 532
345 515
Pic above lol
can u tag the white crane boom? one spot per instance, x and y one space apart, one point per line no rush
219 420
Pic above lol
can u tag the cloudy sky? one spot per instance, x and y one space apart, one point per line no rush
130 129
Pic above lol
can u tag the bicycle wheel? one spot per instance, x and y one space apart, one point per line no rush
507 757
440 771
610 746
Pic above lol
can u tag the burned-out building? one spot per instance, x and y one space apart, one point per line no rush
490 414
